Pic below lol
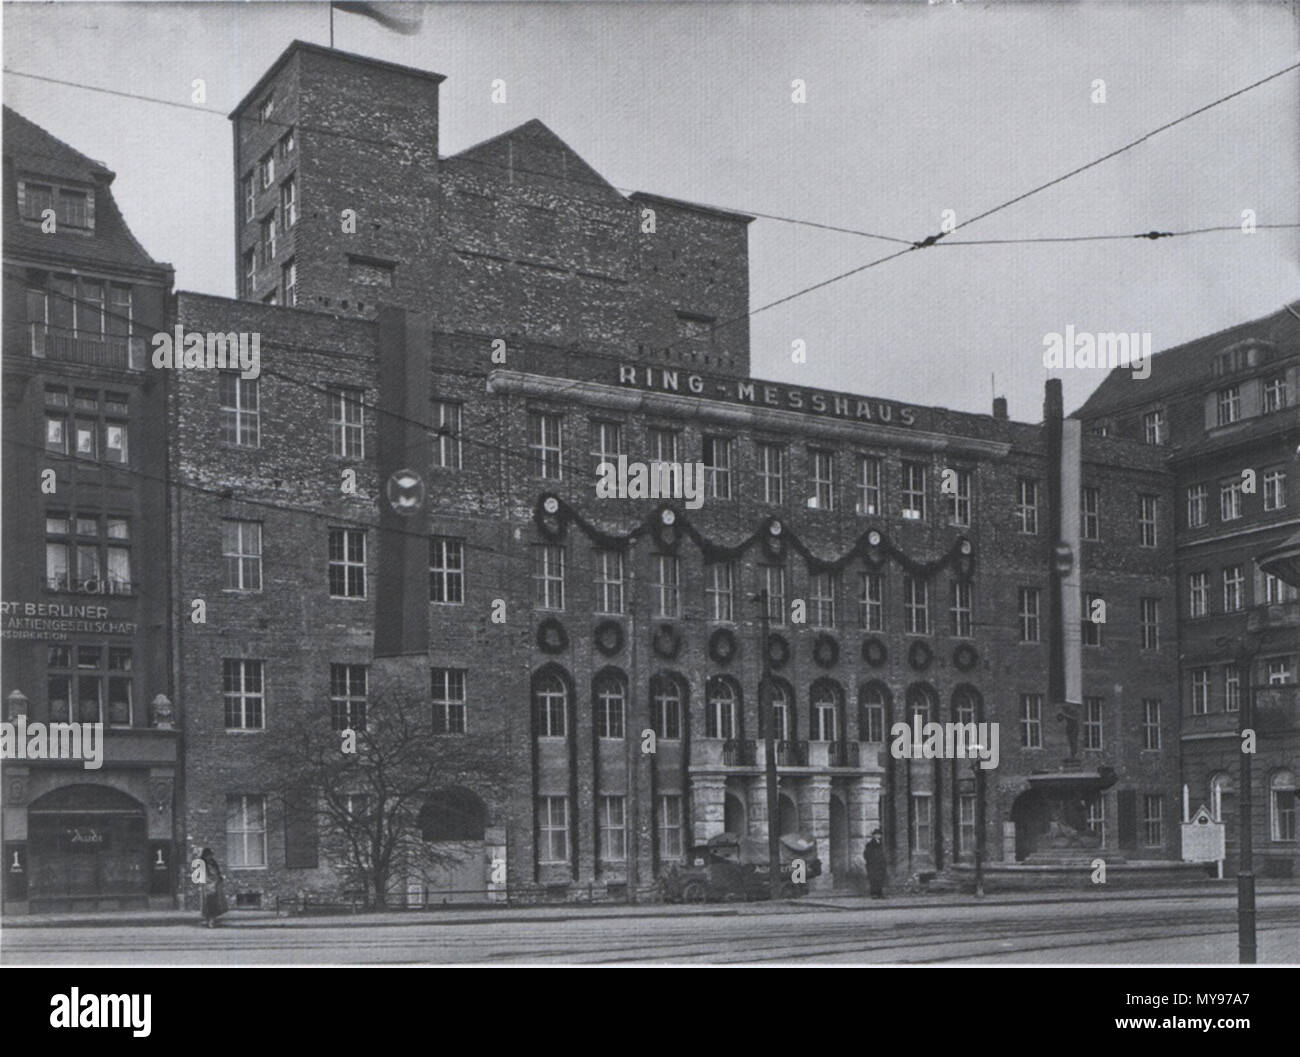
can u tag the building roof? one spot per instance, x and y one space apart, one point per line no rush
29 149
533 149
1188 365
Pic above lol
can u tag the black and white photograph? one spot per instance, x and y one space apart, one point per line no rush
652 484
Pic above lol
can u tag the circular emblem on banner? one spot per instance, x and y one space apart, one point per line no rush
405 491
775 527
873 537
551 505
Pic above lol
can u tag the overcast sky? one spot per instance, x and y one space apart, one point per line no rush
911 109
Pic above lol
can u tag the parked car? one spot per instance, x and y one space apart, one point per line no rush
731 868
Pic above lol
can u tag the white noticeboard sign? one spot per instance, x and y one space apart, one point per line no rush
1203 839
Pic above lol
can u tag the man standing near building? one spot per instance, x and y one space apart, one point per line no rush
874 856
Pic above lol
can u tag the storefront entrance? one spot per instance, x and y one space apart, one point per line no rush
88 848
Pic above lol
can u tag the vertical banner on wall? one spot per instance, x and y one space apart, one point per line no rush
401 600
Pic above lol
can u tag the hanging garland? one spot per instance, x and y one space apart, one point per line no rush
874 652
722 645
551 636
826 651
609 637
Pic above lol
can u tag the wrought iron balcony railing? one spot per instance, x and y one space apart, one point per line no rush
739 752
97 350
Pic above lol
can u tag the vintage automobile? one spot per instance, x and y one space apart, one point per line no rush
731 868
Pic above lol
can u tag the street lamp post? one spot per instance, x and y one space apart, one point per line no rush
1246 950
979 824
769 752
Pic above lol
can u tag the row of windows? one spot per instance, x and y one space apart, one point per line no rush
87 423
1227 401
1203 686
1271 591
1282 803
1232 498
90 684
241 415
73 207
87 553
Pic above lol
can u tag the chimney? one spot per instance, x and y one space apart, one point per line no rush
1000 407
1053 401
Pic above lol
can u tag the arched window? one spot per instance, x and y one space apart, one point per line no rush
780 697
922 708
1282 805
963 705
872 709
609 698
720 721
552 699
825 712
1220 790
666 707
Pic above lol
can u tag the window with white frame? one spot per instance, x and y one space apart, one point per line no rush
914 476
1198 594
719 589
1228 405
1200 695
347 563
1198 503
717 467
670 826
544 441
1231 688
1275 394
347 433
246 831
1276 591
243 693
825 715
548 576
1094 609
348 696
613 828
240 418
1027 506
1029 599
771 471
1275 490
961 609
1230 500
1282 802
1151 723
1233 582
1031 721
665 444
871 714
966 823
1091 514
1147 508
959 498
446 570
446 428
289 203
823 479
611 700
868 486
606 443
780 703
266 170
551 698
289 280
1153 810
821 599
1149 623
774 585
267 240
1153 426
1279 671
553 829
720 716
916 605
922 823
1094 710
447 694
250 197
609 581
667 585
666 708
1097 816
871 601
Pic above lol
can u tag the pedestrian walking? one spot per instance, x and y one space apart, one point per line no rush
214 889
874 856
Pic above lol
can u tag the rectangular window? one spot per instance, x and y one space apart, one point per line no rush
916 605
609 700
1278 671
250 197
666 710
56 433
250 271
73 210
718 589
1153 426
1275 490
1147 520
670 827
1149 619
246 832
922 824
667 585
966 823
1198 503
1027 506
821 599
1200 679
961 609
85 432
1231 688
825 721
609 581
241 547
1198 594
266 170
1097 816
288 143
959 498
1229 405
868 486
1230 497
1275 591
1150 723
1233 595
545 444
37 198
606 443
446 425
240 418
823 473
548 576
447 692
348 696
56 567
347 432
115 444
613 828
119 686
243 691
347 563
717 467
289 203
1029 614
665 444
871 601
771 472
1031 721
914 491
774 584
1153 821
446 570
1275 395
289 280
553 829
1094 615
267 240
1093 711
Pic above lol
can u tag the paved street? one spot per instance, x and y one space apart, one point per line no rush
1113 930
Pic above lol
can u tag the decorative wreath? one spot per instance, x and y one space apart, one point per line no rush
965 657
609 637
874 652
667 641
874 553
722 645
549 516
826 651
667 533
919 655
773 542
778 651
965 560
551 636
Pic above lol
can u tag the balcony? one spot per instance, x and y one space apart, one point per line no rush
843 754
739 752
792 754
90 587
95 350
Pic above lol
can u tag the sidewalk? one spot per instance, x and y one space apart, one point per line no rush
1215 891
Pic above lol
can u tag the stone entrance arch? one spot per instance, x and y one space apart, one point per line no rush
87 844
453 866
